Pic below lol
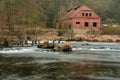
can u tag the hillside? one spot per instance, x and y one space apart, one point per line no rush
45 12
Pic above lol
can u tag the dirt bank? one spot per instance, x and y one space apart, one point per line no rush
51 34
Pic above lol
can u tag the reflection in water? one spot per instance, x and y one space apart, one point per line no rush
96 61
21 68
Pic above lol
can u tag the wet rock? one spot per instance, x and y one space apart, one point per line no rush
86 44
63 47
46 44
102 47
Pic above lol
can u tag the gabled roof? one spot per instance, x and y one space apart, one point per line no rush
73 12
85 8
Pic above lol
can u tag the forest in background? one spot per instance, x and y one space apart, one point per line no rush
45 12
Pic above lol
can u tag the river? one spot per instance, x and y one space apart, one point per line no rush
87 61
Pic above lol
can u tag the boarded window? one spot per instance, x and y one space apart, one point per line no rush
77 22
94 24
86 24
90 14
82 14
86 14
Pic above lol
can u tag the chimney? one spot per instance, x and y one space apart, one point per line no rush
69 10
76 7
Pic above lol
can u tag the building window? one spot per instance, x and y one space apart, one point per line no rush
94 24
82 14
86 24
86 14
90 14
77 22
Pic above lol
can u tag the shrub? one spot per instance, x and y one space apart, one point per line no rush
63 47
111 30
60 32
66 47
80 37
117 40
45 43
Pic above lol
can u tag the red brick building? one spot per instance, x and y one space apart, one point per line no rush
81 19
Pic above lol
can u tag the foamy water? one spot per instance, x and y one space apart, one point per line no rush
87 61
81 50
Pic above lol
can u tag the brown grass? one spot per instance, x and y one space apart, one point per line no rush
51 34
117 40
66 47
80 37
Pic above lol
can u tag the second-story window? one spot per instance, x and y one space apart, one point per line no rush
86 14
82 14
90 14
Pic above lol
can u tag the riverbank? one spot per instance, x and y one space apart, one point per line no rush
98 38
85 37
52 34
76 37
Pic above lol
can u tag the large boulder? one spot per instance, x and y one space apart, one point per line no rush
63 47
